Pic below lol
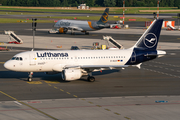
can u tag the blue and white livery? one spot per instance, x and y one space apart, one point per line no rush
75 63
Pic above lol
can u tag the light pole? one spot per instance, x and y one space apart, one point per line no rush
33 29
154 14
158 1
178 15
123 11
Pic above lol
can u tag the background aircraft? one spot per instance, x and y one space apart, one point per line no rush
75 63
83 26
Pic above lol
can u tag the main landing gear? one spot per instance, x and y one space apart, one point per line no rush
72 32
90 78
30 76
86 33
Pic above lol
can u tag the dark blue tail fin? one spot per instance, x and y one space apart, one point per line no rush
150 38
104 17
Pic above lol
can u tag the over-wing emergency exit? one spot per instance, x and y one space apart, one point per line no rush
75 63
83 26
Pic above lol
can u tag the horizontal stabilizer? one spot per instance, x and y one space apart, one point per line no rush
161 53
104 25
138 65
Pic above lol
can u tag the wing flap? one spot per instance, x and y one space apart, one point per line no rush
95 66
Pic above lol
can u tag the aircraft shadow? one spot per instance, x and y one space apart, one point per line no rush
56 77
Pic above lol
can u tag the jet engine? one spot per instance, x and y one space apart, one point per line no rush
71 74
63 30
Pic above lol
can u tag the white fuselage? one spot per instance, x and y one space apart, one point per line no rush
57 60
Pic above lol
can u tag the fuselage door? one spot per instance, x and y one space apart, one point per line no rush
32 59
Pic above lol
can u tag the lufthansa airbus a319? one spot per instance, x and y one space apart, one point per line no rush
73 64
83 26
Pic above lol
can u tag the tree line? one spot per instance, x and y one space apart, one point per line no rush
91 3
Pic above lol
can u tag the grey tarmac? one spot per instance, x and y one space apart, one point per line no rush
151 92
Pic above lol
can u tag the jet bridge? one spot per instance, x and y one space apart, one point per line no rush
113 42
14 36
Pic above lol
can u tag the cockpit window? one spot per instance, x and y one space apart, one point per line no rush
13 58
17 58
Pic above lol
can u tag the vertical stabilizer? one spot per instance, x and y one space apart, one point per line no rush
150 38
104 17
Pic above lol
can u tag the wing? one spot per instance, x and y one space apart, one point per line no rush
95 67
61 67
91 68
75 28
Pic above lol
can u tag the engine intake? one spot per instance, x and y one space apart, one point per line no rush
63 30
71 74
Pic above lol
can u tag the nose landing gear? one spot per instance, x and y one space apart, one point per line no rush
30 76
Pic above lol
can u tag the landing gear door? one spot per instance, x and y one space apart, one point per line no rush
32 59
133 57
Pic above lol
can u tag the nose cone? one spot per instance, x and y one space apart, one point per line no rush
56 25
8 65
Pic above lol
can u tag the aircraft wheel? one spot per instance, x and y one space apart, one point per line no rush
86 33
29 79
73 33
91 79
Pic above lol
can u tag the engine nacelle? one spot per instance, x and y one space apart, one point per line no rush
71 74
63 30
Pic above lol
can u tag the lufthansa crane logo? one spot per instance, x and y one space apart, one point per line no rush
104 18
150 40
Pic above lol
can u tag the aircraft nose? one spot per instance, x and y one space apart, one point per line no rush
8 65
55 25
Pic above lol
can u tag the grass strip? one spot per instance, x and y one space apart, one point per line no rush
113 10
96 18
10 20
